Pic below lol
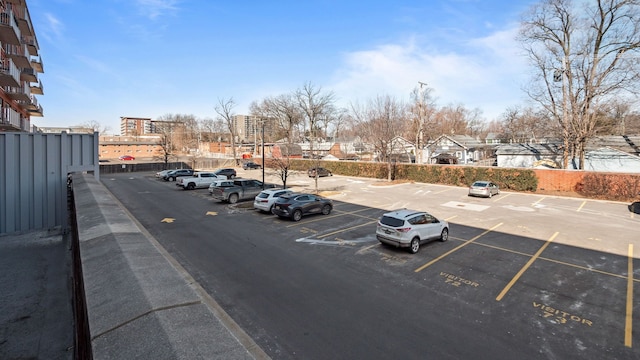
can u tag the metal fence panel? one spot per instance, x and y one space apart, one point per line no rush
33 177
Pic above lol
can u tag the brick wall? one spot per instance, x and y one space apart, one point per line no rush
558 180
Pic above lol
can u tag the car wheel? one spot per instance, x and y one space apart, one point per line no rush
444 235
172 179
191 186
326 210
297 215
415 245
232 176
271 208
490 195
330 174
233 198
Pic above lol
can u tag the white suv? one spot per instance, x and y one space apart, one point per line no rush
265 200
408 228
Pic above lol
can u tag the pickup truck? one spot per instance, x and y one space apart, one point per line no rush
239 189
199 180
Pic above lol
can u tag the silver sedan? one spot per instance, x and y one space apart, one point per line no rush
484 188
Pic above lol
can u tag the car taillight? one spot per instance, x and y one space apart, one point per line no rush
403 230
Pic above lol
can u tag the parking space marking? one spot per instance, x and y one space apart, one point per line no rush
539 200
525 267
455 249
581 206
629 317
441 191
326 217
502 196
347 229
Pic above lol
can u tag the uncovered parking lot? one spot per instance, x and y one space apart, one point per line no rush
564 267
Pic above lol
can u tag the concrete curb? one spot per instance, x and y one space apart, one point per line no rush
140 302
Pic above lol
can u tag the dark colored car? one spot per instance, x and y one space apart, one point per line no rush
251 165
228 172
174 174
295 206
319 172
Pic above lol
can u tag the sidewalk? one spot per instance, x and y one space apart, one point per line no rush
36 318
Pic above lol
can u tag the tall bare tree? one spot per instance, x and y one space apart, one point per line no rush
423 109
314 105
224 109
382 121
584 54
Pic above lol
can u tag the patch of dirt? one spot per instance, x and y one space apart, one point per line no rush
392 182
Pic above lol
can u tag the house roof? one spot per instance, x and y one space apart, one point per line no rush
610 153
464 141
626 143
528 149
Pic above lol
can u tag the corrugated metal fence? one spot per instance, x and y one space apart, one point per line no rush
33 177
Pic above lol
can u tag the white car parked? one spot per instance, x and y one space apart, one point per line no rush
265 200
408 228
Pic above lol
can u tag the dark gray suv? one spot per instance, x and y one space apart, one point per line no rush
174 174
228 172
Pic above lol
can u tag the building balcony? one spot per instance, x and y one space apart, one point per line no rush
38 112
32 45
10 120
20 94
36 63
9 30
24 23
19 55
37 89
9 73
32 104
29 75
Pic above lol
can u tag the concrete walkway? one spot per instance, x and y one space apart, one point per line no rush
36 316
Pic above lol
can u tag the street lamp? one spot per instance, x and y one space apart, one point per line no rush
262 123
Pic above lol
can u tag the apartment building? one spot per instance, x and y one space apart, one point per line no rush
20 64
248 128
133 126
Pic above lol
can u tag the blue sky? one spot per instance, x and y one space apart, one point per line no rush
104 59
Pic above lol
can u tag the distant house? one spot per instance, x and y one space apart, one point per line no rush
400 150
280 150
458 149
529 155
608 159
350 149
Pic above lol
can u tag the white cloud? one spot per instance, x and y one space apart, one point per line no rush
487 73
155 8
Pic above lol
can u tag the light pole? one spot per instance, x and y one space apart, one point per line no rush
262 123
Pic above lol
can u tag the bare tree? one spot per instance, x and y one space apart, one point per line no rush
224 108
382 121
453 120
591 51
423 110
96 126
314 105
524 125
166 142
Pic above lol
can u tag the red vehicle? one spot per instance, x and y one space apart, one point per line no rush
127 157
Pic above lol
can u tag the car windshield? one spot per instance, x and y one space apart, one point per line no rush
391 221
480 184
263 195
